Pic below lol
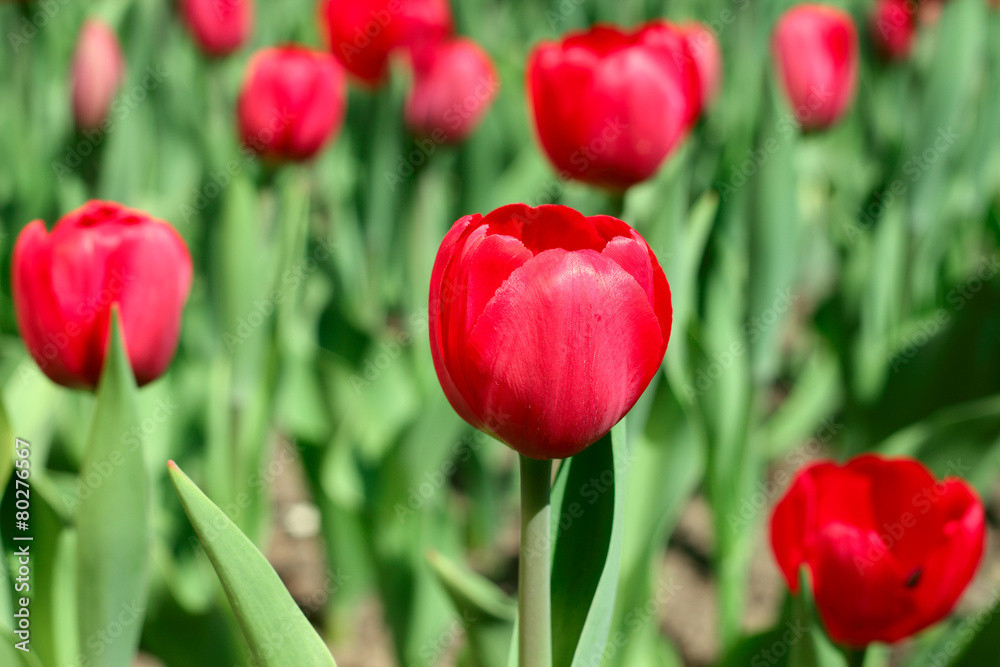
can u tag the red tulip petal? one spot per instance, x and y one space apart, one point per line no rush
562 352
545 227
481 266
443 292
857 584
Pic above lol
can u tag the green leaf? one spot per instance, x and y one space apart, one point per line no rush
112 533
589 518
12 657
486 613
278 633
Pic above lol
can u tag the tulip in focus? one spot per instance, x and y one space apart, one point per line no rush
219 26
894 27
66 282
815 49
890 550
610 106
292 102
97 72
704 49
546 325
452 90
364 33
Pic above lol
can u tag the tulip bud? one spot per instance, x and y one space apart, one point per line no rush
704 48
816 53
65 284
610 106
893 27
219 26
98 70
292 102
364 33
546 325
452 90
890 549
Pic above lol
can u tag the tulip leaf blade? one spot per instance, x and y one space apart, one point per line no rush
486 613
276 630
111 519
587 556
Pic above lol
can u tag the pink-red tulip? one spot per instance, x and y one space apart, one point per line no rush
453 87
97 72
65 284
816 53
364 33
546 325
704 48
219 26
894 27
889 549
610 106
292 102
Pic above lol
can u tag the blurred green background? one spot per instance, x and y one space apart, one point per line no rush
833 293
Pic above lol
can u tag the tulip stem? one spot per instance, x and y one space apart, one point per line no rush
534 601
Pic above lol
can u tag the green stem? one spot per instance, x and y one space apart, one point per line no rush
534 601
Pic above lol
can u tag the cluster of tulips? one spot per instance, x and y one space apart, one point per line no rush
546 325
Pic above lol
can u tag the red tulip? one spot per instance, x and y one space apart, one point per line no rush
704 48
889 549
546 325
452 90
816 52
893 27
364 33
293 101
610 106
219 26
66 282
98 70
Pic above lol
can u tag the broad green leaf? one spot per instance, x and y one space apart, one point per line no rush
587 557
112 533
278 633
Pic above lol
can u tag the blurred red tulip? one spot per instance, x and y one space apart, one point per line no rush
546 325
816 53
292 102
893 27
219 26
610 106
65 283
98 70
453 88
704 48
364 33
889 549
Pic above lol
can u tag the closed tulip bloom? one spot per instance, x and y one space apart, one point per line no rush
890 549
66 282
364 33
292 102
546 325
815 49
452 90
704 48
610 106
894 27
97 72
219 26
